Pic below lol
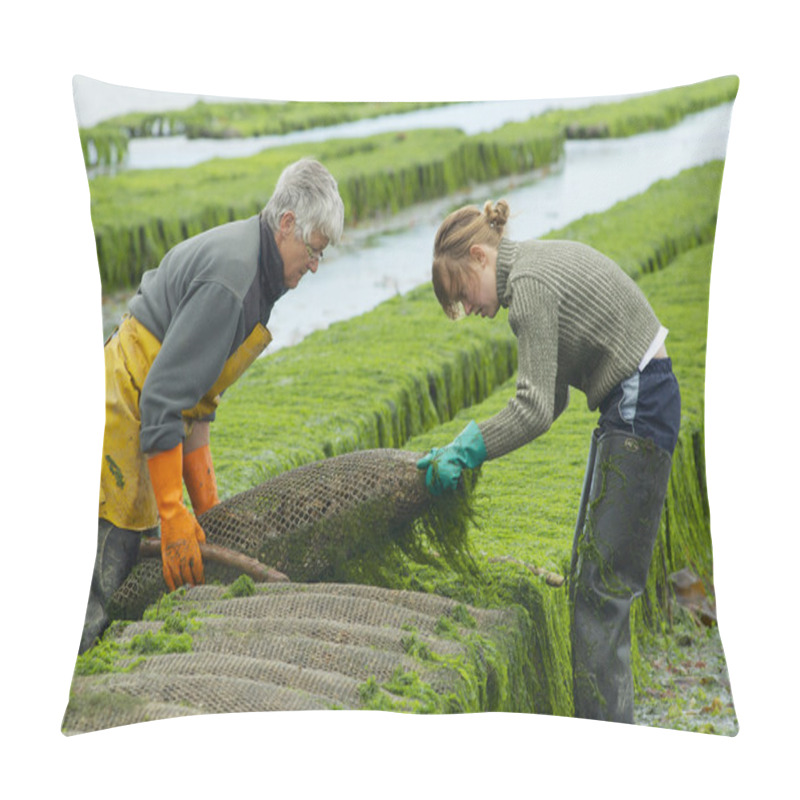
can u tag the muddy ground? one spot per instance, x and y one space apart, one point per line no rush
689 688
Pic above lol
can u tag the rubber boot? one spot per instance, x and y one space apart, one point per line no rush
611 558
117 553
587 487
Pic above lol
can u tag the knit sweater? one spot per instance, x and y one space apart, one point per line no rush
579 320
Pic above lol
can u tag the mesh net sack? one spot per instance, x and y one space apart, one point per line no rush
345 519
295 646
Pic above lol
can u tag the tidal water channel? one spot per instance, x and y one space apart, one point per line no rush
393 255
471 118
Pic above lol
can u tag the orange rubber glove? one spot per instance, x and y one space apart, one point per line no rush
200 480
181 534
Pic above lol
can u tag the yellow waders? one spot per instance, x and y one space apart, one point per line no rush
126 494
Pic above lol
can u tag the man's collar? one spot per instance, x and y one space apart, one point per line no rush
270 263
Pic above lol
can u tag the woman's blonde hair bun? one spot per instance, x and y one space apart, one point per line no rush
497 214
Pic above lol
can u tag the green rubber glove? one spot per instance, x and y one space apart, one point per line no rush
444 465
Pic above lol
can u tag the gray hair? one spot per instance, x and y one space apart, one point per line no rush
311 192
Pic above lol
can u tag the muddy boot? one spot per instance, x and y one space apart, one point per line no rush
611 558
117 552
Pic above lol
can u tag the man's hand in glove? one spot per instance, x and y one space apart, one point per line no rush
181 534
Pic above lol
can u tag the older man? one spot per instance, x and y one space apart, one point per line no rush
195 325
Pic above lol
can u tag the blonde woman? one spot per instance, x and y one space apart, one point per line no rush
580 322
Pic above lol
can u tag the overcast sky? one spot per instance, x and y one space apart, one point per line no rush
96 100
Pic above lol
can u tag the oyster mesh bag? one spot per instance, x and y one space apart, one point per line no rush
303 646
350 518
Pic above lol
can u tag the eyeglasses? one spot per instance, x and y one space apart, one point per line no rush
314 255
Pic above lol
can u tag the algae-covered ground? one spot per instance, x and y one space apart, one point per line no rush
359 392
528 502
687 685
375 382
138 215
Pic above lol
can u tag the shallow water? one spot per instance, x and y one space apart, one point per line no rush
393 255
472 118
366 270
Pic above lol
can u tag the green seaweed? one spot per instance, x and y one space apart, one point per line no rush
243 586
649 112
356 397
485 674
140 214
224 120
113 654
526 503
370 543
528 500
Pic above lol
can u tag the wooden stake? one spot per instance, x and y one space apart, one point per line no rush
261 573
